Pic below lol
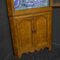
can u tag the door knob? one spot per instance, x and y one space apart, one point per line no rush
33 31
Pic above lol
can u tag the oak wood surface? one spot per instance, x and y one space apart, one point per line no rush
42 30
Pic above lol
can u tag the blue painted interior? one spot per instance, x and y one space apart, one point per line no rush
28 4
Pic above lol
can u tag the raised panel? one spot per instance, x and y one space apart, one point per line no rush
41 29
22 27
42 34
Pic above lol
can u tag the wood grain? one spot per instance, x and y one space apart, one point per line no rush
42 30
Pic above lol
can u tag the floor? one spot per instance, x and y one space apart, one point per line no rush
42 55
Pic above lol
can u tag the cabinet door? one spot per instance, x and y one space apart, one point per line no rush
22 26
42 30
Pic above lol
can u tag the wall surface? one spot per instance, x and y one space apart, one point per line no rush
5 37
56 26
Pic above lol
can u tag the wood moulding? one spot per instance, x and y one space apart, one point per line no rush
56 5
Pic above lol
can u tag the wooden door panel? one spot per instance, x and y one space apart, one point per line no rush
41 29
23 30
42 35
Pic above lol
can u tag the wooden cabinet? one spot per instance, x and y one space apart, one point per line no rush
31 32
31 25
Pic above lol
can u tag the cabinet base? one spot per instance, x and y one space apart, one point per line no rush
36 49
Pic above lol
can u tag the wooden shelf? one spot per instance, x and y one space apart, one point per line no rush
56 5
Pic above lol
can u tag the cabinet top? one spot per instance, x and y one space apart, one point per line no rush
15 6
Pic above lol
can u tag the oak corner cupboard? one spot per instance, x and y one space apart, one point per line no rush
30 24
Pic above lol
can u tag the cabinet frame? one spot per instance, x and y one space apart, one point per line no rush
48 44
23 13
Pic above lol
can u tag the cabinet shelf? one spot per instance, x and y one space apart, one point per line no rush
56 5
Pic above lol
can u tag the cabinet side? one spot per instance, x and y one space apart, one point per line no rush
13 35
10 7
